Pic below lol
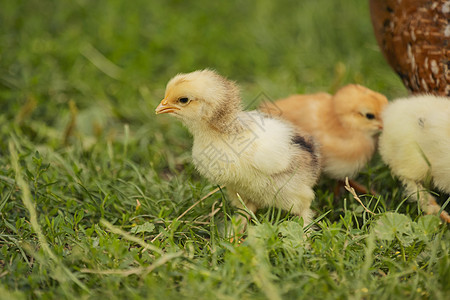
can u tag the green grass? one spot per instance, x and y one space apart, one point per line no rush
96 192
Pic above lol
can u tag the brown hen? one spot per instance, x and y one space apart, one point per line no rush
414 37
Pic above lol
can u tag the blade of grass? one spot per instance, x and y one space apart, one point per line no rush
187 210
101 62
130 237
26 199
353 192
143 270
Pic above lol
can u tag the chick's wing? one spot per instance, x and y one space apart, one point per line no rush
272 152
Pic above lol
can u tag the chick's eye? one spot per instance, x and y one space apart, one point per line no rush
370 116
183 100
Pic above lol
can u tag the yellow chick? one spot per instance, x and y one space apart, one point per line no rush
345 125
263 160
415 143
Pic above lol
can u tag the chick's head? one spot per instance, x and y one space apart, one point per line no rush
201 97
359 108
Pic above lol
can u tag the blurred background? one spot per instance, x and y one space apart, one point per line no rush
80 80
113 58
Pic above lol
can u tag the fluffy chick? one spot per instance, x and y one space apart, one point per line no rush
264 160
415 143
345 125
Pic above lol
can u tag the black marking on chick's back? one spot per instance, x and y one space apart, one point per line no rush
303 144
421 122
307 145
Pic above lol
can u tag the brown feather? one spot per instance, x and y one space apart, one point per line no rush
414 37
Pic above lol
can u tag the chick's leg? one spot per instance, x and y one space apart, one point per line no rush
355 185
426 201
301 206
360 188
243 216
307 216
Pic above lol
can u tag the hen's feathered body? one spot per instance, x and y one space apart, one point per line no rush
414 37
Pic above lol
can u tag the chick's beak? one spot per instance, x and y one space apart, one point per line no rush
164 107
380 125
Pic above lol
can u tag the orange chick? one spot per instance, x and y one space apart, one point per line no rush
345 125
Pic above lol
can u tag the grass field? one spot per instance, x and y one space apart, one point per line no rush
98 197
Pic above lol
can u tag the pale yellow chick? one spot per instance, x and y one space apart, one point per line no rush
415 143
264 160
345 125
